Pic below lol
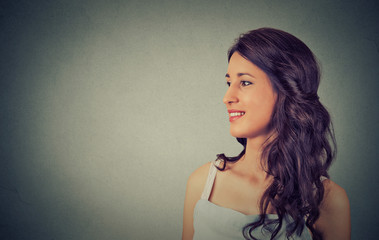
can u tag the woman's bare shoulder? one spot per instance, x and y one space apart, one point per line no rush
335 197
334 220
195 186
197 179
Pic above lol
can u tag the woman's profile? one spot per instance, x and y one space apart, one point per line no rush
278 187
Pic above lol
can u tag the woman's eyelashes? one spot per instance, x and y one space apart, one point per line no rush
243 83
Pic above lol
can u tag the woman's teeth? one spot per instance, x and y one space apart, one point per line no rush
234 114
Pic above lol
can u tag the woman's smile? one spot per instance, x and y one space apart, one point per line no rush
235 114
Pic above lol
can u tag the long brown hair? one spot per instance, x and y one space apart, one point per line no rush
304 145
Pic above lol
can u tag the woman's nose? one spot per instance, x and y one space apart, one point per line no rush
230 96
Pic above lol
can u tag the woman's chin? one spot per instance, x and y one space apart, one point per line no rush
237 134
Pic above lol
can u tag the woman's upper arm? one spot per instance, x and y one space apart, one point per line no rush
195 186
334 221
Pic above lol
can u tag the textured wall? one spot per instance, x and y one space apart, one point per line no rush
108 106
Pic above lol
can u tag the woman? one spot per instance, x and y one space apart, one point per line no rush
278 186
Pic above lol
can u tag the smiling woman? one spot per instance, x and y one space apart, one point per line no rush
278 186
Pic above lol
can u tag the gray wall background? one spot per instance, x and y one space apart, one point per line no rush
108 106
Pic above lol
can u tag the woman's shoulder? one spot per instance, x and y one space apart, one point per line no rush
197 179
195 186
334 220
335 197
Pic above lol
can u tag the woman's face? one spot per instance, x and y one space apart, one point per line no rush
250 99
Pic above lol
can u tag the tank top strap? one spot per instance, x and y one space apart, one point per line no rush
210 180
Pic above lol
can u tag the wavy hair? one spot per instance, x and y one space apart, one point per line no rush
303 144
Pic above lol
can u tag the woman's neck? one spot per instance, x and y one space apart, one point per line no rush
251 163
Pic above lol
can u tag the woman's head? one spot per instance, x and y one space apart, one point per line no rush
291 68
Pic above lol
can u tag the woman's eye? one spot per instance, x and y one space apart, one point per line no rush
228 83
246 83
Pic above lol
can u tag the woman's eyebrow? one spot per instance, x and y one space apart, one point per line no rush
248 74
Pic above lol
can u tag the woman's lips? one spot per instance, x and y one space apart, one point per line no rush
235 114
